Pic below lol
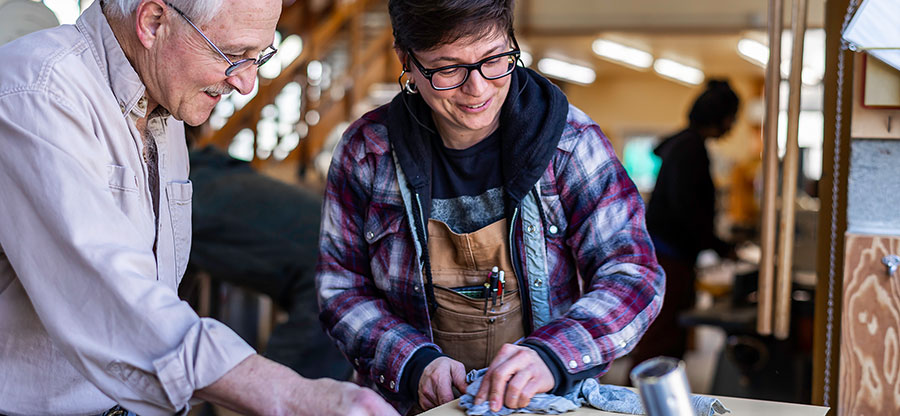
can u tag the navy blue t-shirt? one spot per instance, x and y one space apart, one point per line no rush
467 185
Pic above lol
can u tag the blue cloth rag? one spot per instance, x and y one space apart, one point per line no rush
599 396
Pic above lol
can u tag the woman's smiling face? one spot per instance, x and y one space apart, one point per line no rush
471 112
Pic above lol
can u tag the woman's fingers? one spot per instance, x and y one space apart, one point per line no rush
505 353
458 376
515 388
438 379
514 377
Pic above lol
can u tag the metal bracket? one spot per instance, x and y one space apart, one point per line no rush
892 262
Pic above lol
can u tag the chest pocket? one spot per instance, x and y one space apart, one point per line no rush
555 217
180 196
123 186
384 234
121 179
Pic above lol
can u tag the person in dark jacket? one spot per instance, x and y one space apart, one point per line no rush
681 214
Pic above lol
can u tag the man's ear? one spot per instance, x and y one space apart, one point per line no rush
150 16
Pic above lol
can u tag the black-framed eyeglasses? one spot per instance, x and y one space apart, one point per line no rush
453 76
234 67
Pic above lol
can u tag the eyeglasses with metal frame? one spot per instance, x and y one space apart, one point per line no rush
234 67
453 76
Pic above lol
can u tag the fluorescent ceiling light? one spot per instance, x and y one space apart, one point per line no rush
678 71
753 51
290 49
622 54
567 71
526 58
813 54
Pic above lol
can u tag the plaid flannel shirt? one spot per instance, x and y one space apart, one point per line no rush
604 284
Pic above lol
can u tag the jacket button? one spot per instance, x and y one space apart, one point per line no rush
370 235
586 359
573 364
538 283
530 228
392 384
381 377
554 229
416 288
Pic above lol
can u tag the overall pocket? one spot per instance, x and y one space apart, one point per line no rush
467 333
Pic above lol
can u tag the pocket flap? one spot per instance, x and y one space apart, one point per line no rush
180 191
122 178
380 223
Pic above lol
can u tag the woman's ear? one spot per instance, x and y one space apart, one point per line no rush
403 57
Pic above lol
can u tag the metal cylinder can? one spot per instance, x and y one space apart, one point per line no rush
663 387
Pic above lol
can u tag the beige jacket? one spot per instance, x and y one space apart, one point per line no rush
89 315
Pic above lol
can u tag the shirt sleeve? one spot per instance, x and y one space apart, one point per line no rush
623 283
89 276
355 310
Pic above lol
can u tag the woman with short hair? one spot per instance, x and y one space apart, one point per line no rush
479 220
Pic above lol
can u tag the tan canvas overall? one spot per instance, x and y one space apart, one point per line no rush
470 329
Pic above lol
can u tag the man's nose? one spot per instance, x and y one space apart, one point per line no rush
243 81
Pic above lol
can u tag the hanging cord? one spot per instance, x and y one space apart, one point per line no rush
429 281
403 96
540 205
835 176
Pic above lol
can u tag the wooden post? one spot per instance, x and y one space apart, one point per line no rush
785 274
770 169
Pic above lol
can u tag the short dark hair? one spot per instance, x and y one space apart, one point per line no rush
714 105
424 25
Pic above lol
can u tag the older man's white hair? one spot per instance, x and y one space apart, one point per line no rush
199 11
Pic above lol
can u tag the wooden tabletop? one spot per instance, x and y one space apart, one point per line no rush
738 407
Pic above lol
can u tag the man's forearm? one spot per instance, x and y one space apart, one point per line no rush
260 386
255 386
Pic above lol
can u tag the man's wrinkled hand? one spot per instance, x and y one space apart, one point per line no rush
346 399
438 380
515 375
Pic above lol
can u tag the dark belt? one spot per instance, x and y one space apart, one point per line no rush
117 411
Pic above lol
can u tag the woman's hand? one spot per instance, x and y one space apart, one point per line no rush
438 378
516 374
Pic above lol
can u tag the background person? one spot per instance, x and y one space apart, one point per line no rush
681 215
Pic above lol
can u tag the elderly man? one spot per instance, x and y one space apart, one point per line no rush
95 231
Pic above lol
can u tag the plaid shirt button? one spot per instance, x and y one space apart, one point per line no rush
573 364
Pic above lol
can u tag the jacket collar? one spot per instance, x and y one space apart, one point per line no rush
124 82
